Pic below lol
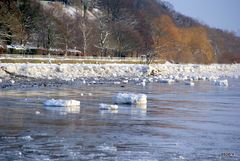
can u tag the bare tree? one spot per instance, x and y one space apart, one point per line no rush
104 32
83 25
11 28
104 35
86 32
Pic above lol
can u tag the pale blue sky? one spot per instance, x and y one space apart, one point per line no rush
224 14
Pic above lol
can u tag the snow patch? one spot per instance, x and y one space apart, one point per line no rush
168 73
69 10
16 47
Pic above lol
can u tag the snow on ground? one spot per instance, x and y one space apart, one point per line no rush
73 71
16 47
163 72
54 75
66 9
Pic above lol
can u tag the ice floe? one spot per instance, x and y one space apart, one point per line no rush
108 107
116 83
169 81
189 83
223 83
130 98
107 148
37 113
61 103
125 81
12 81
143 83
25 138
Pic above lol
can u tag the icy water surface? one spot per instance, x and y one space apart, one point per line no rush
180 123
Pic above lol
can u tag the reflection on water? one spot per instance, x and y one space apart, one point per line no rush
139 110
104 112
178 123
64 110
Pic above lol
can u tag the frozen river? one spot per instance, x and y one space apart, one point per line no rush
180 123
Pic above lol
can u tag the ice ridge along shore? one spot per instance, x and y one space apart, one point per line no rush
75 71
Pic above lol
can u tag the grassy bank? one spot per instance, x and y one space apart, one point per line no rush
74 61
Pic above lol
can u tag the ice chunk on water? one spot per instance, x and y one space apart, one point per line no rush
125 81
130 98
12 81
108 107
169 81
106 148
61 103
37 113
27 138
116 83
189 83
221 82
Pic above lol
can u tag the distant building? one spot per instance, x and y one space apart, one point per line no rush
30 50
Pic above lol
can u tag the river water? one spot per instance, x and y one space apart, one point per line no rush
179 123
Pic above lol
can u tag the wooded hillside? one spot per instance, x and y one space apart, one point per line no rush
115 28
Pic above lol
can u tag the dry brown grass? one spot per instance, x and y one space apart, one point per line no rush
62 61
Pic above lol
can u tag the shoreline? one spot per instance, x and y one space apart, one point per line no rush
47 75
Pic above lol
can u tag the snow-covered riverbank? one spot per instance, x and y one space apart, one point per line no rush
121 73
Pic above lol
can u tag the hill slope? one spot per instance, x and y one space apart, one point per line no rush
115 28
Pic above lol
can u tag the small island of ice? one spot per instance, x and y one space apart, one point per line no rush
168 81
61 103
130 98
189 83
223 83
108 107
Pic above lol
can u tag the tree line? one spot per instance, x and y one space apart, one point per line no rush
115 28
